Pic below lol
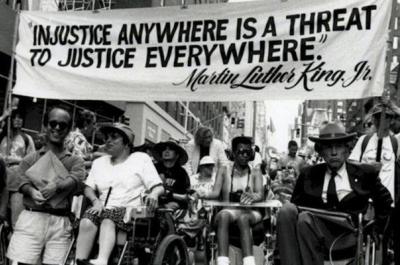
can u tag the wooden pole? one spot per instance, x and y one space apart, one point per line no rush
8 100
383 130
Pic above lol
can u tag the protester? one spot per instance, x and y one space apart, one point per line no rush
76 142
366 148
245 186
42 233
335 185
204 144
291 159
171 157
121 179
20 145
205 185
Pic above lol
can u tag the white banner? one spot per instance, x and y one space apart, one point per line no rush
305 49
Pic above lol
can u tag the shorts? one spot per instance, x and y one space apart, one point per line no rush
235 213
115 214
40 237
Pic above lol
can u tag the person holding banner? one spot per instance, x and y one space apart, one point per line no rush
50 176
305 235
366 148
120 178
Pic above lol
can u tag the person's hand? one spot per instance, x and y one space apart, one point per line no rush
97 207
247 198
151 201
376 165
37 197
201 194
394 107
49 190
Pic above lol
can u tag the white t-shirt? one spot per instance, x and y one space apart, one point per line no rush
387 158
128 179
204 185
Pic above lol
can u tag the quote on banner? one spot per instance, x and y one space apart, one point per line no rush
209 52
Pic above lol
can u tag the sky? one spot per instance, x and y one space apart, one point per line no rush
282 113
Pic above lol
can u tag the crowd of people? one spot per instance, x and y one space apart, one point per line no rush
40 176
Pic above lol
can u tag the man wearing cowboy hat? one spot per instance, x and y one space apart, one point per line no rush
336 185
171 157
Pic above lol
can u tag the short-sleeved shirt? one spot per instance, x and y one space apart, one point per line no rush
388 158
72 163
19 148
77 144
203 185
176 180
128 180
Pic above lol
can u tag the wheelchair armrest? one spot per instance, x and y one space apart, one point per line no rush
164 210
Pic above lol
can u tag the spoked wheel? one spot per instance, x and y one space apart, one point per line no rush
3 245
171 251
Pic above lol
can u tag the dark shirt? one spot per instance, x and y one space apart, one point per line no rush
175 179
72 163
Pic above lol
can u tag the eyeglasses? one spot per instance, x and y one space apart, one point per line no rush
61 125
244 152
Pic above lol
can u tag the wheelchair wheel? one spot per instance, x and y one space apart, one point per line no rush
3 245
171 251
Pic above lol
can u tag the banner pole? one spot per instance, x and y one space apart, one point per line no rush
8 99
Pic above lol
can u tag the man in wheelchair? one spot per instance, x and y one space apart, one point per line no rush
304 236
245 186
116 181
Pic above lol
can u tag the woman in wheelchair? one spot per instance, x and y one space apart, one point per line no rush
244 186
170 158
203 185
116 181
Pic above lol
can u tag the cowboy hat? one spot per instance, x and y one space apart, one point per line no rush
332 132
160 147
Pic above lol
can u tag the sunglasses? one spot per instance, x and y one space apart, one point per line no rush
244 152
368 124
61 125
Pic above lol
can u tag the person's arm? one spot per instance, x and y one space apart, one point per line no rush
249 197
217 188
152 198
74 181
97 205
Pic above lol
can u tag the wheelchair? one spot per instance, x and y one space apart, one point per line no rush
356 245
264 234
153 240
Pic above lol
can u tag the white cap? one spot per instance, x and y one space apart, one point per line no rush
206 160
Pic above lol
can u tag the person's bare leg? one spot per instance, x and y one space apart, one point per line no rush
106 242
223 221
86 237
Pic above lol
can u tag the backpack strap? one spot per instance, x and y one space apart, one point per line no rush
393 140
395 145
364 144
